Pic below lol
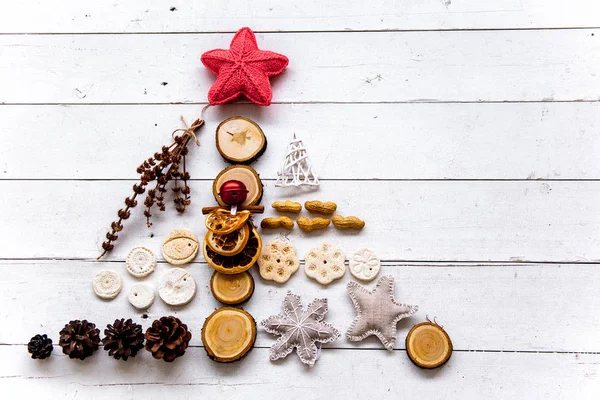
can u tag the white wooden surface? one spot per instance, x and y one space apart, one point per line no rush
464 132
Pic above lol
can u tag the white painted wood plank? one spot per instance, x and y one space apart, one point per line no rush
345 141
424 221
546 307
338 374
558 65
201 16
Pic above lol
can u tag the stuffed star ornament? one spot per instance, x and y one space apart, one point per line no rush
377 312
243 70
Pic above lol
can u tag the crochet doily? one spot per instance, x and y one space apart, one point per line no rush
325 263
377 312
140 262
278 261
107 284
300 329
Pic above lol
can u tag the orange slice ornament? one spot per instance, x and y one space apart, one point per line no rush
222 222
228 244
240 262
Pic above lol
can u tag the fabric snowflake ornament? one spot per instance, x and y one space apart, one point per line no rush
300 329
377 312
243 70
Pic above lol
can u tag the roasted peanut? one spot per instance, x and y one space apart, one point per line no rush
320 207
347 222
309 225
287 206
279 222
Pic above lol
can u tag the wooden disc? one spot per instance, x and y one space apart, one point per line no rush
228 334
232 289
242 173
240 140
428 345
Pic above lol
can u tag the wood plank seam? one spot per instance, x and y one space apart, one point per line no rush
401 349
305 102
305 31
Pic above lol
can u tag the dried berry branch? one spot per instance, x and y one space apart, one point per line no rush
162 168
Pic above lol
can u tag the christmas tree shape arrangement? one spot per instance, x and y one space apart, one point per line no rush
297 169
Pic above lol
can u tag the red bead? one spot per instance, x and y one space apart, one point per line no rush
233 192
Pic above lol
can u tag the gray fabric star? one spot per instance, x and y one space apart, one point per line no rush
377 312
300 329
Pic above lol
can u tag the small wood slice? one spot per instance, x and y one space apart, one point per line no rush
240 140
232 289
228 334
242 173
428 345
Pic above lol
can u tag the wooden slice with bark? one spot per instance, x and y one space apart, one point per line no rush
428 345
240 140
242 173
232 289
228 334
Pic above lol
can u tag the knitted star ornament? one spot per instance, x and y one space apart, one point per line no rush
243 70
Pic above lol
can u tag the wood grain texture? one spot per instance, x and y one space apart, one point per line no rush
122 16
414 141
411 111
525 308
472 66
389 374
435 221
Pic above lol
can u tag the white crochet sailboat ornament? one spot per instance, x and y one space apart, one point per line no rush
297 169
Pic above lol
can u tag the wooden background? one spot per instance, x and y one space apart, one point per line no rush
464 132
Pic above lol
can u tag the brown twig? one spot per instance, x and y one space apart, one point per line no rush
162 168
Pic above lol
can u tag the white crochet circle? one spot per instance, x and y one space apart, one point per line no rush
325 263
140 262
141 296
107 284
176 287
364 264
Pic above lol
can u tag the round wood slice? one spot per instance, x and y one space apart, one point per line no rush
232 289
240 140
228 334
428 345
242 173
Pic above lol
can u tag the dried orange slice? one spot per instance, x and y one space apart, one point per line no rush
228 244
222 221
238 263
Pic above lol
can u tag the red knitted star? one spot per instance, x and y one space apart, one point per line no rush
243 70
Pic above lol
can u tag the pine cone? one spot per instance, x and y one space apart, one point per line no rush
123 339
79 339
167 338
40 346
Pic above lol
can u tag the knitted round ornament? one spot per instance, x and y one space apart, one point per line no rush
243 70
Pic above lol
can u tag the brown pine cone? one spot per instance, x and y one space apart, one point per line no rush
167 338
79 339
40 346
123 339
